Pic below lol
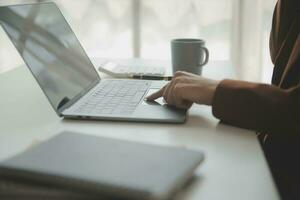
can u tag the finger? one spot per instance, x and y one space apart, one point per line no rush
183 73
184 104
170 92
156 95
180 100
165 94
178 97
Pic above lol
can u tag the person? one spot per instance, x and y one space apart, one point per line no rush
272 110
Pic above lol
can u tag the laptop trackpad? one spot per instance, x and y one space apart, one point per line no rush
159 101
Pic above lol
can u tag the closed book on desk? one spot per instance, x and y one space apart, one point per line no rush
106 167
18 190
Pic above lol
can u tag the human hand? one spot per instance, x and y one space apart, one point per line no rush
186 89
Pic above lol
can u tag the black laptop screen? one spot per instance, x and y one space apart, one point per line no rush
50 49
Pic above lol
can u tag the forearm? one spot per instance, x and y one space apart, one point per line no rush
260 107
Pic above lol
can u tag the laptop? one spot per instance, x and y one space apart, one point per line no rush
81 164
68 78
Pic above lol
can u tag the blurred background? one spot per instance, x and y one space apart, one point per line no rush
234 30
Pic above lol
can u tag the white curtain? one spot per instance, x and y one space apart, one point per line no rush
250 50
235 30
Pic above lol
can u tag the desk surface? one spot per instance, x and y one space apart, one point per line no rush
235 167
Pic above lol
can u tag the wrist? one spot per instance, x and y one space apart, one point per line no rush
211 91
207 92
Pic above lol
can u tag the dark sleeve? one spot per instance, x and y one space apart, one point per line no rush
260 107
268 108
283 18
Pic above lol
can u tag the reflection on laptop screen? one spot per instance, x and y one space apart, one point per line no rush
50 49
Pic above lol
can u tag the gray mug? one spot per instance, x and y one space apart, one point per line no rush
189 55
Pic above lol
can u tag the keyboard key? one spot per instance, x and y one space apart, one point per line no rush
137 97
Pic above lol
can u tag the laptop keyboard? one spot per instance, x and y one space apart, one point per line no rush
115 97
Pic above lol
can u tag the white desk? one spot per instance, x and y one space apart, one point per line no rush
235 167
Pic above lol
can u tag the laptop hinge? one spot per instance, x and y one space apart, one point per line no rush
66 102
62 102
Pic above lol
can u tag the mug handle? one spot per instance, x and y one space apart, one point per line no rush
206 56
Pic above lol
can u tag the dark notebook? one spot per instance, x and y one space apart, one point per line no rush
102 166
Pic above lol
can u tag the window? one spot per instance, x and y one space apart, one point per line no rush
235 30
125 28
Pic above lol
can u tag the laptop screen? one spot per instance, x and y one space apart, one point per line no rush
50 49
